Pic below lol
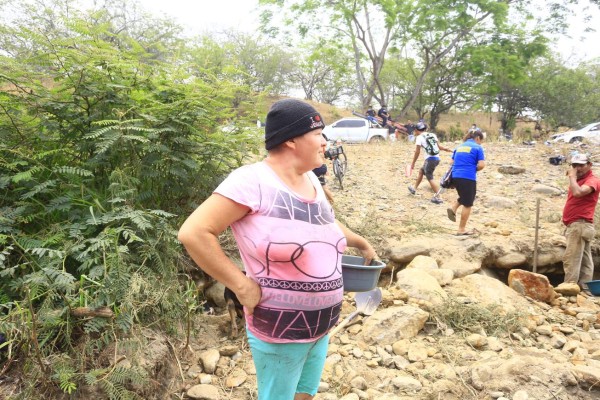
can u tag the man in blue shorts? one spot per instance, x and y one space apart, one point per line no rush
468 158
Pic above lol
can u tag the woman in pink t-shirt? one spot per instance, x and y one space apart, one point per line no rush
291 246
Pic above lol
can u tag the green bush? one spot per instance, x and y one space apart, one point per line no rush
106 142
456 132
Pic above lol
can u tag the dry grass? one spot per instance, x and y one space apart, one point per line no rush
471 317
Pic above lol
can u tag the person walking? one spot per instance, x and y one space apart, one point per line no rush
578 218
291 246
429 142
467 160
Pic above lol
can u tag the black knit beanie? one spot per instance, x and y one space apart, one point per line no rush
288 119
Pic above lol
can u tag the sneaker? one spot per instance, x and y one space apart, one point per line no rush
411 189
437 200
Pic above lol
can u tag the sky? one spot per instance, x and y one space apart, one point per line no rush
202 16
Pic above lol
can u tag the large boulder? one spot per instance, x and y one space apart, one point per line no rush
405 254
420 285
392 324
461 267
423 262
535 286
486 290
511 260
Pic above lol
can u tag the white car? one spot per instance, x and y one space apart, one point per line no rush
355 130
591 131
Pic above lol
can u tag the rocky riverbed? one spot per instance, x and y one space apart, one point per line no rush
454 322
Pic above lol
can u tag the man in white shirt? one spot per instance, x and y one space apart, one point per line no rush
429 142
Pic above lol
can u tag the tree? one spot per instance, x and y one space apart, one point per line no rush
323 74
449 85
368 27
502 62
565 96
261 65
429 29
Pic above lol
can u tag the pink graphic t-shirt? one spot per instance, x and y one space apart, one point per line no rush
292 247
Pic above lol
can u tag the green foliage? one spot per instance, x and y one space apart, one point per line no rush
107 138
565 96
456 132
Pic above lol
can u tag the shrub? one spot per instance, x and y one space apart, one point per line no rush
103 146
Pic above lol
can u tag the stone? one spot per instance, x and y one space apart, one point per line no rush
407 384
547 190
500 202
520 395
209 360
236 378
494 344
401 347
323 387
228 351
203 392
510 260
550 256
535 286
417 352
406 254
585 374
568 289
443 276
423 262
326 396
571 346
194 371
420 285
461 267
558 341
388 325
511 170
359 383
487 291
476 340
545 330
400 362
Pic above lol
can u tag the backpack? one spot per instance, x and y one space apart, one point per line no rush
431 146
446 181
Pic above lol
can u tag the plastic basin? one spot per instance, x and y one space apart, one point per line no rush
594 287
358 277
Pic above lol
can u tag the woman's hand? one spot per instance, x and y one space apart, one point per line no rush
369 254
249 295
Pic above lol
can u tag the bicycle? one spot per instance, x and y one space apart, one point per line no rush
339 161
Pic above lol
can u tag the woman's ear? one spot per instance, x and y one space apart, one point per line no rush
291 143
